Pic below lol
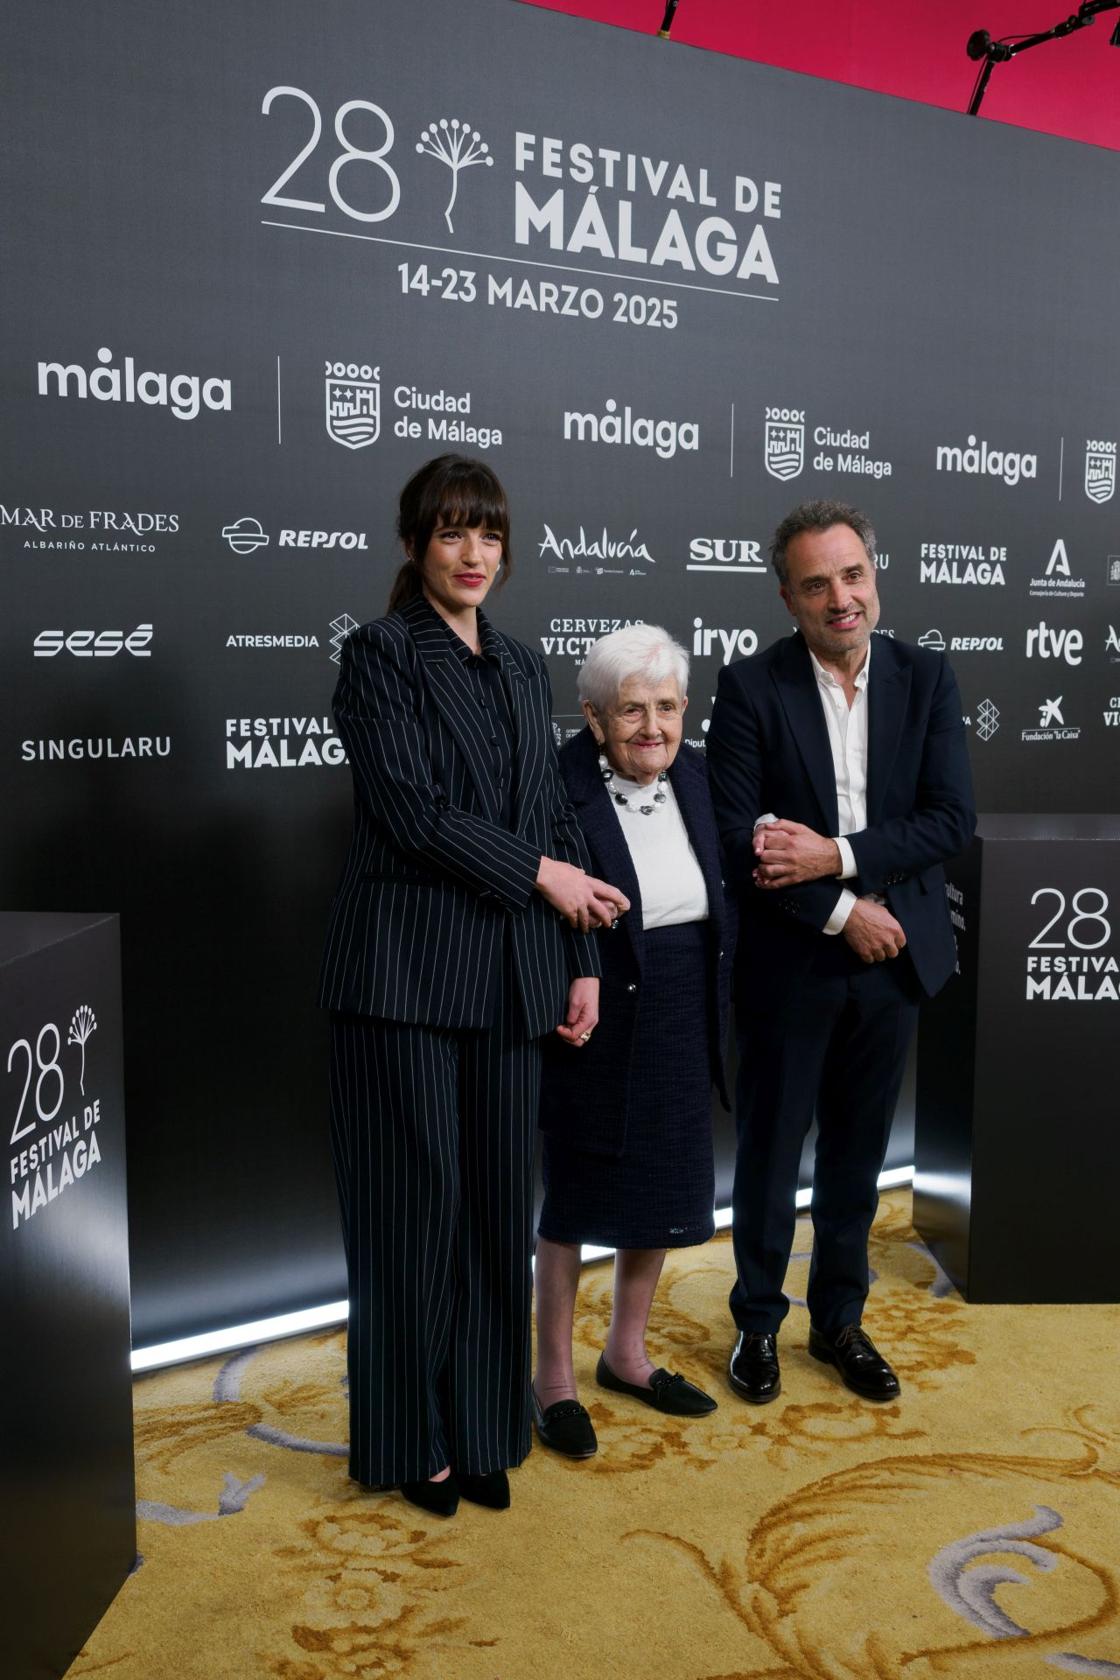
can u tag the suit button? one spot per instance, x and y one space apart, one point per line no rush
721 953
631 987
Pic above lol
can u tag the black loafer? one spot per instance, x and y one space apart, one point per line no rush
440 1498
491 1489
668 1391
754 1372
858 1360
565 1427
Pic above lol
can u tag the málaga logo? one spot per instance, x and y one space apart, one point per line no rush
1100 470
184 393
353 393
785 442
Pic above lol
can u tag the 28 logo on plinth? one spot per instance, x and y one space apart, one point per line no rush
50 1149
353 393
1100 469
1078 931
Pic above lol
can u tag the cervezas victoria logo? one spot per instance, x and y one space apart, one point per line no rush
353 392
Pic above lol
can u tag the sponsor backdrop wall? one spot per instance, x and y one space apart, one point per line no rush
665 294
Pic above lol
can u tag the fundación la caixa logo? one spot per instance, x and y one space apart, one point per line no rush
185 394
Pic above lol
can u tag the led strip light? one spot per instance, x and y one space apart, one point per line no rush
334 1312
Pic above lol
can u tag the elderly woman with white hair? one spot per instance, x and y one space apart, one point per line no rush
627 1118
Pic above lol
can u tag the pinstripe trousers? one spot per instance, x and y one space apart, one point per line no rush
432 1134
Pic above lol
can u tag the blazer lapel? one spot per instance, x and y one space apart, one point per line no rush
888 690
530 752
603 833
446 682
688 784
797 689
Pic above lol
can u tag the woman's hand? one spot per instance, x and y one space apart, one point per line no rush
583 1013
583 901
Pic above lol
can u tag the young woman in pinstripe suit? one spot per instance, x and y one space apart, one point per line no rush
460 934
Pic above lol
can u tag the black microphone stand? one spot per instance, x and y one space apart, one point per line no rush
981 45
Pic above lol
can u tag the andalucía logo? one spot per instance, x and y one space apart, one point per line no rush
785 442
617 555
1100 470
353 403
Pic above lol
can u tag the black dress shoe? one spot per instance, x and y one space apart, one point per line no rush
440 1498
492 1489
565 1427
858 1361
668 1391
754 1373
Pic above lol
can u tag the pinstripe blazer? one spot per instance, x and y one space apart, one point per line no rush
433 881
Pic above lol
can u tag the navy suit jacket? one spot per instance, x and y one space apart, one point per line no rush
768 750
433 880
586 1093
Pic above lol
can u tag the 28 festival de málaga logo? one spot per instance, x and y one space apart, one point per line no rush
54 1137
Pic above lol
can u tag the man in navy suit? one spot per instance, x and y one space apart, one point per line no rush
840 779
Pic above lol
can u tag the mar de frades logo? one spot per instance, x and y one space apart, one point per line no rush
353 393
784 447
1100 469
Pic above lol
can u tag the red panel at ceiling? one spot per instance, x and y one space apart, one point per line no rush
912 48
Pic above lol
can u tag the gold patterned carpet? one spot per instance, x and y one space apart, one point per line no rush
969 1532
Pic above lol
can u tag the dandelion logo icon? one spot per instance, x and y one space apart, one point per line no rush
458 145
82 1027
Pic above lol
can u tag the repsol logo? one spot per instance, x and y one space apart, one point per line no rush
982 458
184 393
95 644
322 539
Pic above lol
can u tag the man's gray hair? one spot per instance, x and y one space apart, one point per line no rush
645 651
819 516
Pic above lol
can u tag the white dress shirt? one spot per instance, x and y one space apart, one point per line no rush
670 879
847 738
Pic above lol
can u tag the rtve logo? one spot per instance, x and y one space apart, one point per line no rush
1055 644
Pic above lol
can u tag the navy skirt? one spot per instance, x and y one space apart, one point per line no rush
660 1192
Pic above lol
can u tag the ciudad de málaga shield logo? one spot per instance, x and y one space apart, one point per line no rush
1100 474
785 448
353 404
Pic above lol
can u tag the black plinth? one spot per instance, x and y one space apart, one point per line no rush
1017 1125
68 1536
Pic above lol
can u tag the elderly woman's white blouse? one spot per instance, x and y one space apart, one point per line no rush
670 879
